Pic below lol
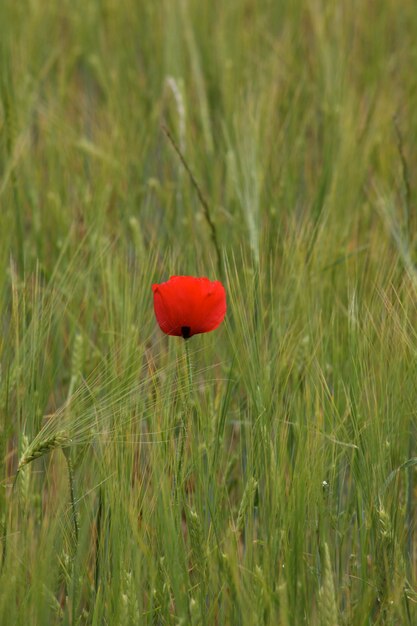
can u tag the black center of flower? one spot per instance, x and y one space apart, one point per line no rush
185 332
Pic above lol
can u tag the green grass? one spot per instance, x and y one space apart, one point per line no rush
279 488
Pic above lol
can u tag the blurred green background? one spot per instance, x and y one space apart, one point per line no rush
277 486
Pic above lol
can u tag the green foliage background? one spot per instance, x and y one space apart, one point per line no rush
274 483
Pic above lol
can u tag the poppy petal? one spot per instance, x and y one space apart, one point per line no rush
186 305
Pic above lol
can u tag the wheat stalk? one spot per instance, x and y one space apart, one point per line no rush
327 598
37 449
246 503
197 541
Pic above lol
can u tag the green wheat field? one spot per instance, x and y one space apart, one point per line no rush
269 478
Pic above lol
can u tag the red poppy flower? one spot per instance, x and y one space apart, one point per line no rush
186 306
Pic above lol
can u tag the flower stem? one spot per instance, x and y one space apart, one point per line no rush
189 370
188 384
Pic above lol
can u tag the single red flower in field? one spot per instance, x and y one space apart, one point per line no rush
186 306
